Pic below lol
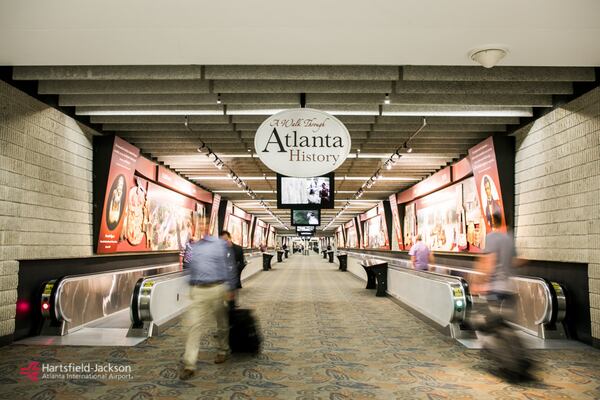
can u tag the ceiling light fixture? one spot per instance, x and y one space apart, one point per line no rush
488 57
158 111
387 99
457 111
265 111
219 98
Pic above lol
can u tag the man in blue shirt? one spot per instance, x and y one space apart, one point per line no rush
212 284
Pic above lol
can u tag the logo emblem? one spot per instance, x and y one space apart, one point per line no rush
31 371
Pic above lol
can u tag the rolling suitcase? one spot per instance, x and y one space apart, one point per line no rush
501 343
244 334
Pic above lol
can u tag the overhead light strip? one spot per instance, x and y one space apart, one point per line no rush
272 178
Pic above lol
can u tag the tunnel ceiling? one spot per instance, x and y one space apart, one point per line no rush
147 105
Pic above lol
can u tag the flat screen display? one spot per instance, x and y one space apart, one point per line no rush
306 217
301 229
305 234
305 193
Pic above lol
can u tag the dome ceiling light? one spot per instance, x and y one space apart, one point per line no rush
488 57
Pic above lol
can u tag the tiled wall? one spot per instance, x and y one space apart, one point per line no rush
557 190
45 189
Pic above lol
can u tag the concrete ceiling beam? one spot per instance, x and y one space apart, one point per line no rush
159 119
520 100
169 127
430 135
506 74
346 119
323 86
207 136
302 72
416 121
429 110
151 109
441 128
120 72
487 88
124 87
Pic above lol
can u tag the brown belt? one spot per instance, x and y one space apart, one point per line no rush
206 284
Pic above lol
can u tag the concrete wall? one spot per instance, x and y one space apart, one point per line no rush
45 189
557 190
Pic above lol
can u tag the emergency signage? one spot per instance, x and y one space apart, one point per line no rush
302 142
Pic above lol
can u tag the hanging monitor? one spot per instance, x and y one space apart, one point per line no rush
305 193
306 217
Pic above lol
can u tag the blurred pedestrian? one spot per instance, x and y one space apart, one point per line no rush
494 285
420 255
212 284
237 252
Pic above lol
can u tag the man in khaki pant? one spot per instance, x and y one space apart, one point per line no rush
212 282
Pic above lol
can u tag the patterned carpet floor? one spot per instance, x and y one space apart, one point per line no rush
326 337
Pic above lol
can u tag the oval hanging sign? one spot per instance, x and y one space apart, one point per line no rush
302 142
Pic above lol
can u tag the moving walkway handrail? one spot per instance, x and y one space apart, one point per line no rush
90 295
141 300
457 290
534 314
553 294
458 287
393 263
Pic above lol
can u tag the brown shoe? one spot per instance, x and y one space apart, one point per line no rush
221 358
185 374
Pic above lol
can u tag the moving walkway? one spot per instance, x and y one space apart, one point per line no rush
119 307
442 298
96 309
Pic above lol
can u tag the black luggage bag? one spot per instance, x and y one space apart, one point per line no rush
502 345
244 334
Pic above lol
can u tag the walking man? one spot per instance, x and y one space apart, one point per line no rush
212 282
420 255
237 252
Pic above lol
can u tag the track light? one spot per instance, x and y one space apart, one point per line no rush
409 150
387 99
219 98
202 146
388 164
